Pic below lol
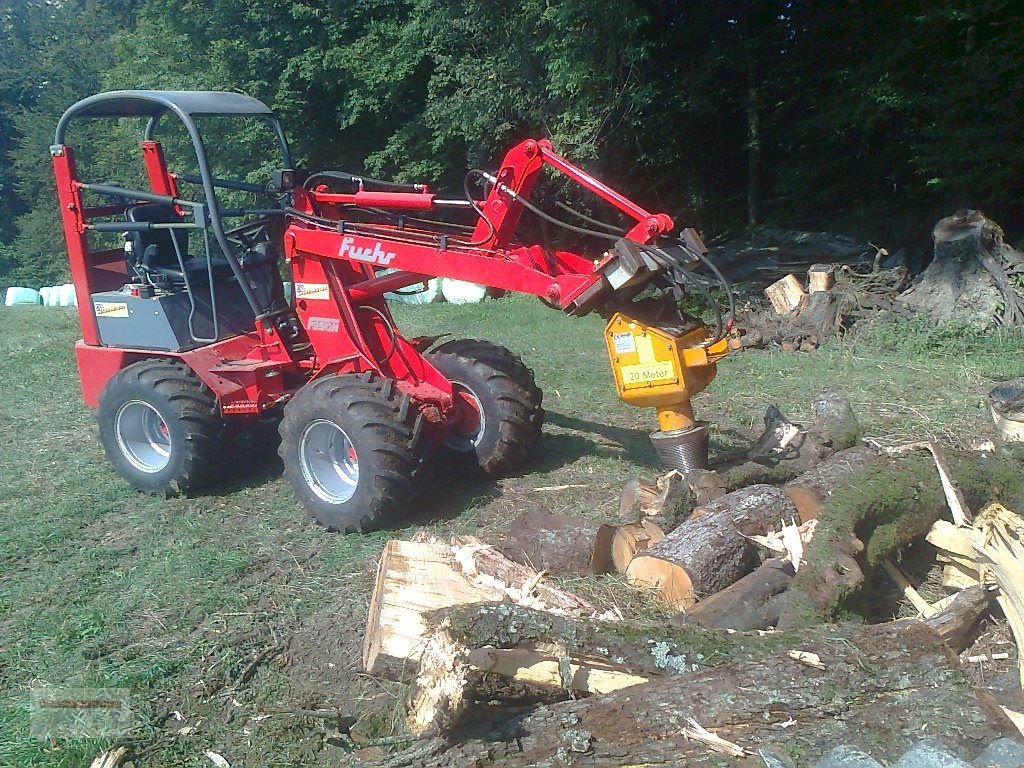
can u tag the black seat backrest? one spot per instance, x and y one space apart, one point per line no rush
154 249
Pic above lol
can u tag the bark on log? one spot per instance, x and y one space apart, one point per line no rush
554 543
882 687
709 552
753 602
809 491
415 578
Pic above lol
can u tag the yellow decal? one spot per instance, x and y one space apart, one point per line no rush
645 349
311 291
645 373
110 309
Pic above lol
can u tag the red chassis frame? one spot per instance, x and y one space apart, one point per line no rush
339 296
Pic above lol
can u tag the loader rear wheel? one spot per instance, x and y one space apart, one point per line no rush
160 427
353 449
498 407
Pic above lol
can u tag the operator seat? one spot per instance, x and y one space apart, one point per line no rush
153 254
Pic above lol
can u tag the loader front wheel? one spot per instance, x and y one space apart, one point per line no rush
352 447
160 427
498 416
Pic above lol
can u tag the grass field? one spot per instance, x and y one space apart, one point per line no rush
211 614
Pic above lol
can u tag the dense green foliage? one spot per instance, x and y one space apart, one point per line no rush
870 117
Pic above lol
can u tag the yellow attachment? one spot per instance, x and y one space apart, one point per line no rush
661 367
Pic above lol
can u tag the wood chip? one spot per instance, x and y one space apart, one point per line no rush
216 758
989 657
808 658
696 732
111 758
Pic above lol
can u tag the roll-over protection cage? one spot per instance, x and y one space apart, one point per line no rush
91 270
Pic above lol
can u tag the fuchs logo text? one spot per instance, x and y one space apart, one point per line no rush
375 255
329 324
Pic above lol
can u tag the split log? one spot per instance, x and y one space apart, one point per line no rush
554 543
639 499
785 294
710 551
415 578
753 602
619 544
810 491
878 686
956 623
820 277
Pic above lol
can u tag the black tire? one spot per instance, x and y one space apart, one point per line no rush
509 398
369 481
160 427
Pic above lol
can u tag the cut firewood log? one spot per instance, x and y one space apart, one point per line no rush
753 602
417 577
764 698
820 277
809 491
710 551
619 544
554 543
785 294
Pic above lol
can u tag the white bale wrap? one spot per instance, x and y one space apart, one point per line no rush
17 295
461 292
67 296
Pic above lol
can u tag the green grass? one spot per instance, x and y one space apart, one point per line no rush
101 587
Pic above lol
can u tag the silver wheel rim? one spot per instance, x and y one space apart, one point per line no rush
142 436
466 442
329 462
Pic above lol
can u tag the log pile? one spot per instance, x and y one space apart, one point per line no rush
478 631
835 298
974 278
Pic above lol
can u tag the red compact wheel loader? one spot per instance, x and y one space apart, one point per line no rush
187 334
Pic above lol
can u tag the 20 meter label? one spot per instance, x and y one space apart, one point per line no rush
647 373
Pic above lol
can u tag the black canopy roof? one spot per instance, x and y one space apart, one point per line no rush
155 103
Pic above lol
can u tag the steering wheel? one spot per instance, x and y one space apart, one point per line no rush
249 234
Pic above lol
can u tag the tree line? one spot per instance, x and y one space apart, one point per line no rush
870 117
